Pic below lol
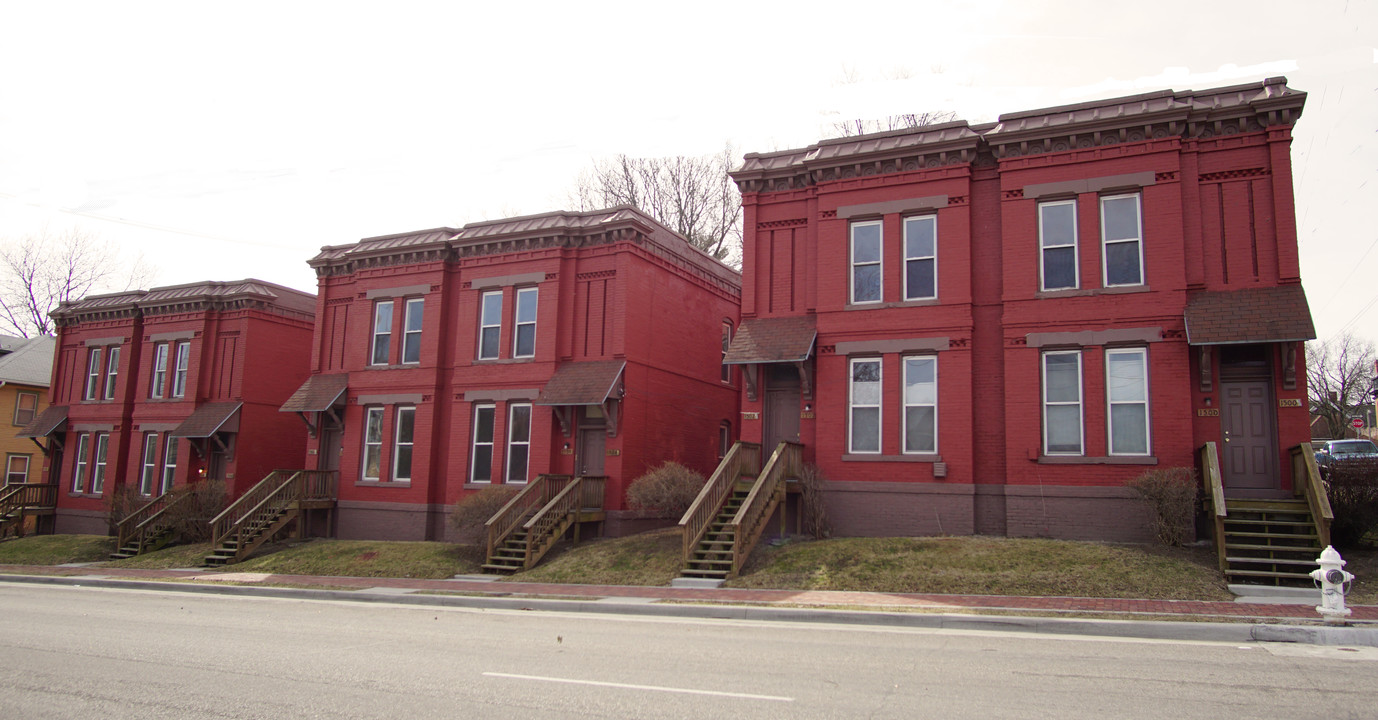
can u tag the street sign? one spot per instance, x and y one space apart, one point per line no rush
1356 422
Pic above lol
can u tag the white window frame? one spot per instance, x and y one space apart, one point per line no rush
179 369
102 458
495 325
398 443
725 373
1138 239
112 371
371 444
518 322
159 380
19 407
9 469
1044 248
381 339
1079 403
853 405
93 373
879 262
475 444
414 310
1111 402
905 404
513 443
80 466
933 220
149 468
169 464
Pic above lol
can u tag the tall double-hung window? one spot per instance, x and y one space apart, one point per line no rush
518 441
404 440
373 443
1121 226
169 464
864 400
112 372
159 382
149 468
411 331
481 462
921 404
490 325
865 261
524 339
93 370
382 333
1057 238
1126 389
1062 430
79 467
98 472
179 369
921 257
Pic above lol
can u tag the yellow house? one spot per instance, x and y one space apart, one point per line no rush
26 367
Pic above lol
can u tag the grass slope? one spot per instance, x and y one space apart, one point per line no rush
651 558
176 556
365 558
56 549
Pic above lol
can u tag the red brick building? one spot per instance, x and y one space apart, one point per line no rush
990 328
153 389
446 361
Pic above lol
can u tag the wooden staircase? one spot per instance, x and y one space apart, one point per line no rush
267 508
23 500
530 524
149 527
729 515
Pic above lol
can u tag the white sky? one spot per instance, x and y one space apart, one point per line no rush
232 140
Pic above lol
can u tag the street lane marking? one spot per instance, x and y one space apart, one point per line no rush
628 686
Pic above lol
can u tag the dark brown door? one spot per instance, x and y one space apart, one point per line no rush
330 448
781 422
1249 453
593 443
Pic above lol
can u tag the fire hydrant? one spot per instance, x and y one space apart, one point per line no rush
1334 582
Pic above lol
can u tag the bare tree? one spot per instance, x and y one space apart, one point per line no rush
906 121
691 195
40 271
1340 377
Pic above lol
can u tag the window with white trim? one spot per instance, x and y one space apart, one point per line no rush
524 339
373 443
863 434
1057 238
411 331
25 408
921 404
149 468
93 370
726 372
921 257
1121 228
490 325
169 464
1062 430
16 469
79 466
724 438
1126 391
403 442
481 458
112 371
179 369
866 261
98 472
518 441
381 347
156 387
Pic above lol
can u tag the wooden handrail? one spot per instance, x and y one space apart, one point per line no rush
787 461
124 529
511 515
742 457
1306 480
594 487
1210 469
267 509
223 524
549 517
18 498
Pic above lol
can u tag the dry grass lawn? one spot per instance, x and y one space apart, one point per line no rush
651 558
365 558
56 549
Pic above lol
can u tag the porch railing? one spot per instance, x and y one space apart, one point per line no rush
742 459
1306 480
274 494
1210 470
766 494
547 525
147 521
516 511
17 499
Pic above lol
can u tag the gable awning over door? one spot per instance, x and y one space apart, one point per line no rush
52 419
209 419
319 392
1253 315
769 340
583 383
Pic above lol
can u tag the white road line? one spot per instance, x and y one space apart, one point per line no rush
629 686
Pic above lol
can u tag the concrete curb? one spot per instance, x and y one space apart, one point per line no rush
1140 629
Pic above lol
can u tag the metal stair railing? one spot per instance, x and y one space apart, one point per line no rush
742 458
1306 480
766 493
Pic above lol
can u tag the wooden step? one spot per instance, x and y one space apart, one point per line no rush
1280 523
1311 564
1283 536
1268 505
1265 573
1308 549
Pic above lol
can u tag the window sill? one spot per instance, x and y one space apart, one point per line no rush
1091 292
915 458
93 496
503 361
402 366
481 484
926 302
1107 460
383 483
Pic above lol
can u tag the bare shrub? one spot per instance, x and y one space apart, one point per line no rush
189 518
665 492
815 515
473 510
1171 495
1352 486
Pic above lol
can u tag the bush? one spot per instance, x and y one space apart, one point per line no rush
190 518
815 515
1171 495
1353 490
474 509
665 492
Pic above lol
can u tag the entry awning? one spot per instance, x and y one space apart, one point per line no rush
582 383
209 419
1254 315
319 392
770 340
51 420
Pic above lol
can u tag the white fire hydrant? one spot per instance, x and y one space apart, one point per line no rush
1334 582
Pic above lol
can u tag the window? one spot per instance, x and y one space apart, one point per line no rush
1126 389
98 474
382 333
112 372
524 344
373 442
79 468
16 469
518 441
866 242
490 325
481 466
402 446
179 373
1057 236
865 407
726 341
411 331
1121 237
159 370
921 404
150 464
921 258
169 464
93 369
25 407
1062 403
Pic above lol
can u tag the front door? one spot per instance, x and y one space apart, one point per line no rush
1249 452
781 423
330 448
593 442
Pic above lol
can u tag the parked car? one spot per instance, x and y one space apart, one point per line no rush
1331 452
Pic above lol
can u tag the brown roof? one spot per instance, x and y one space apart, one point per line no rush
47 422
1272 314
317 393
208 419
582 383
762 340
209 293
